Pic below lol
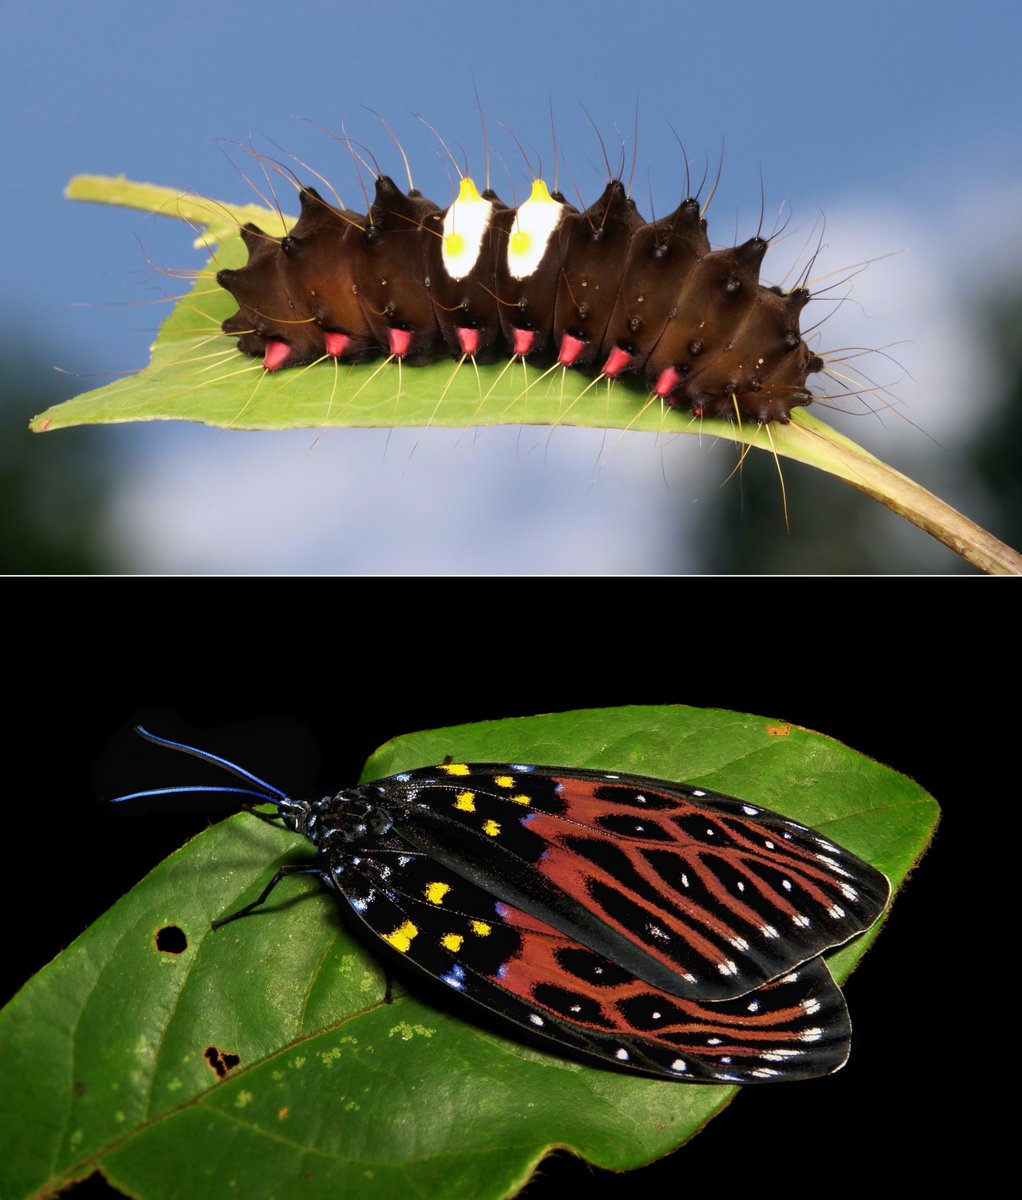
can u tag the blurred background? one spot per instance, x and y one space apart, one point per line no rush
883 132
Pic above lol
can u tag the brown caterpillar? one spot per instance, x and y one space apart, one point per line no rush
601 289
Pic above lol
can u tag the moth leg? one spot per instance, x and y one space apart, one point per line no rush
287 869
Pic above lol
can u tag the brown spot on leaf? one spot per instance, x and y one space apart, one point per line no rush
221 1061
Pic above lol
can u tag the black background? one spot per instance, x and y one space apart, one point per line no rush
442 653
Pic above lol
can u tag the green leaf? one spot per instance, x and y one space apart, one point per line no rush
104 1053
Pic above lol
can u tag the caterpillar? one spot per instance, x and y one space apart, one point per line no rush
600 289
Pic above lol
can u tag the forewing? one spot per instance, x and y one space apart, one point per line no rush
703 895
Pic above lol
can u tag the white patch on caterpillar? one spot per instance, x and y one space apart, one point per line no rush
534 226
465 225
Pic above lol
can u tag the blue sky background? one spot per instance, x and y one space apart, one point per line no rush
896 122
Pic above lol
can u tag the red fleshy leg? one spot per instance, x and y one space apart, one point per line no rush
336 344
571 348
400 342
524 339
468 340
616 362
667 381
275 354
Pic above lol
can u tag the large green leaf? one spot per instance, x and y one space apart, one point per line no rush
106 1054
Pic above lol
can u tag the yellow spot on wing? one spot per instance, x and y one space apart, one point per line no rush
504 780
452 941
522 799
465 801
401 938
454 768
481 928
435 892
491 827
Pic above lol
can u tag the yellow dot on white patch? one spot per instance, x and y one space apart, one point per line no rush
452 942
454 244
519 243
504 781
492 828
466 801
435 892
454 768
401 938
481 928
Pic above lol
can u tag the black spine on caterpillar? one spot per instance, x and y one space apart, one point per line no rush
601 289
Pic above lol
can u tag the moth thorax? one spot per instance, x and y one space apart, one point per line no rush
347 818
465 224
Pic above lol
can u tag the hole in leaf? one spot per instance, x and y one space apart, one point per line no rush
171 939
92 1187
